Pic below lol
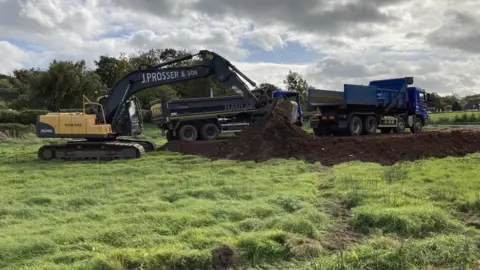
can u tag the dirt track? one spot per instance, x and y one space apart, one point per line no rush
273 138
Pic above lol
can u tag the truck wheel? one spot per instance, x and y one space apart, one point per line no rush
210 131
417 125
370 125
188 133
400 125
355 126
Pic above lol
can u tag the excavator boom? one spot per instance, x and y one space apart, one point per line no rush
212 65
114 117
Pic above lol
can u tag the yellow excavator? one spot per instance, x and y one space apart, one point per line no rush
106 132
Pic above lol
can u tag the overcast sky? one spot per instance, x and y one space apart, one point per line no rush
329 42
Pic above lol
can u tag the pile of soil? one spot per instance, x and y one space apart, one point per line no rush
273 137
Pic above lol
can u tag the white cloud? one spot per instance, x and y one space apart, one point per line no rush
436 41
267 39
12 57
269 72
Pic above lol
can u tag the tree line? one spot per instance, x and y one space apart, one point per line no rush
63 84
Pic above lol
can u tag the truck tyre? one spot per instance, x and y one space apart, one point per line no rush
400 125
210 131
370 125
188 133
417 125
355 126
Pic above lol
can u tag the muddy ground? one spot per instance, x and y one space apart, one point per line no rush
274 138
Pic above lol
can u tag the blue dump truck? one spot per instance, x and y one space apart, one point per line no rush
207 118
388 105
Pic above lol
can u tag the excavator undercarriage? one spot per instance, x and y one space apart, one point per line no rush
97 150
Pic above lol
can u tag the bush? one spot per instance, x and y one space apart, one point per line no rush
27 117
15 130
30 116
8 116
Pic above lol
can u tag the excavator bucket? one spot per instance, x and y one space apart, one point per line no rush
285 108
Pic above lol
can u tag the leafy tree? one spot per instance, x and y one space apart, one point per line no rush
20 83
110 69
294 81
63 85
456 106
269 85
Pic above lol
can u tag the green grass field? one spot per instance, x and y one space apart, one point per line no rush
169 211
462 117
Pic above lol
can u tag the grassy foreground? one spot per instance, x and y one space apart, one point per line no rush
169 211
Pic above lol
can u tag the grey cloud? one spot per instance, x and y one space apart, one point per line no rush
308 15
157 7
189 40
442 78
13 24
413 35
460 31
332 73
321 16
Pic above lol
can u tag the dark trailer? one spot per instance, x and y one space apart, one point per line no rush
206 118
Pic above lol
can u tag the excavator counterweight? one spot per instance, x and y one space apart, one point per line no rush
117 114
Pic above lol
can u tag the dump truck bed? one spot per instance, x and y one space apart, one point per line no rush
379 93
318 97
198 107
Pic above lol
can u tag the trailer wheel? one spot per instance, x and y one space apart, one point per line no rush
355 126
370 125
188 133
400 125
210 131
417 125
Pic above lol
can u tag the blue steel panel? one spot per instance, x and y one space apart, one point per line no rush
369 95
360 94
394 84
386 96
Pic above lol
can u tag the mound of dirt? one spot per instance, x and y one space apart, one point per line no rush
275 138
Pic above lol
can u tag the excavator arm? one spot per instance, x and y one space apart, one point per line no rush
212 65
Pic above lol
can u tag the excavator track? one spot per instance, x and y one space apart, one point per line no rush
91 150
148 145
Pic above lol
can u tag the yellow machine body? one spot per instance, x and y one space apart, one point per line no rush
71 125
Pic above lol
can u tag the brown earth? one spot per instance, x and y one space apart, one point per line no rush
275 138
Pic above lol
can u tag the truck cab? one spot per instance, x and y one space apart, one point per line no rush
420 99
